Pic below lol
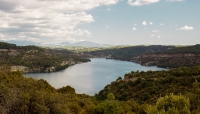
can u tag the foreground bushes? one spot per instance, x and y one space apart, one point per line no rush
20 95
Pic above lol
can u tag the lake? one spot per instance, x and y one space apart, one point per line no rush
91 77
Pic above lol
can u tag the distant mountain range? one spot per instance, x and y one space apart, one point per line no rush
81 43
85 44
22 42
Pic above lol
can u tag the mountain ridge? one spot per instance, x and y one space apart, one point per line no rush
79 43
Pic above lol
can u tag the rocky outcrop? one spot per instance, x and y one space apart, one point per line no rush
25 69
35 59
20 68
68 62
10 52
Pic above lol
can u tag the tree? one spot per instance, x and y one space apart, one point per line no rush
67 89
170 104
109 106
110 96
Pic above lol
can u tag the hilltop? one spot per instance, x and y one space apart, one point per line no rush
128 52
37 59
155 55
187 56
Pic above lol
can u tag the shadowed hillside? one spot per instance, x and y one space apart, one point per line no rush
127 53
178 57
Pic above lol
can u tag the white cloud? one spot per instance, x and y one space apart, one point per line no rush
174 0
135 24
161 24
81 40
185 28
141 2
144 23
152 35
156 31
46 20
107 26
151 23
88 33
159 36
108 9
134 29
1 35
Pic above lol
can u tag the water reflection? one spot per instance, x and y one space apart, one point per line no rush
91 77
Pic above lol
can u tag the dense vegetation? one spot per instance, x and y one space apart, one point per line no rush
176 91
36 58
155 55
183 50
147 87
188 56
20 95
127 53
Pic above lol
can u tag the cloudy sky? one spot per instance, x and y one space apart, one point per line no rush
119 22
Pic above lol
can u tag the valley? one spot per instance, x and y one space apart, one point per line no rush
142 91
99 57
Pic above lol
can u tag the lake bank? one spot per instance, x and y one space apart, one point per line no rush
92 76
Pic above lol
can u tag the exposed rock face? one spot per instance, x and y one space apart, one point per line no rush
35 59
68 62
10 52
3 50
32 51
50 69
25 69
127 78
20 68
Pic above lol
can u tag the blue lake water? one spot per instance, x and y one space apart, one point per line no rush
91 77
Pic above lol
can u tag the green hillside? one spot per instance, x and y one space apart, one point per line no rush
188 56
155 55
147 87
127 53
195 49
151 93
36 59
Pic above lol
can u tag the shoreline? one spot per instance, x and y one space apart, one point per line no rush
27 70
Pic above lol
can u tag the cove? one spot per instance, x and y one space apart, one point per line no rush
91 77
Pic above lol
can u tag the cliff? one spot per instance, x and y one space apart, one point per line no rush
25 69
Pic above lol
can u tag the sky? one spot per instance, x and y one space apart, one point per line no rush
117 22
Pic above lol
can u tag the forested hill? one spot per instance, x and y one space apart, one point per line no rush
178 57
147 87
195 49
36 59
139 93
155 55
127 53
